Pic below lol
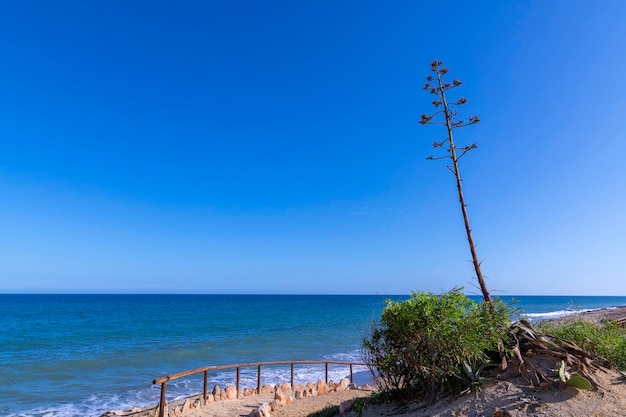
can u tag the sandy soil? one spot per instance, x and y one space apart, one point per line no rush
512 396
298 408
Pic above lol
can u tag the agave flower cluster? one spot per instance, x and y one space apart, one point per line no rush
447 113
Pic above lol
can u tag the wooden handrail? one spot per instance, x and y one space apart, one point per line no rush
163 380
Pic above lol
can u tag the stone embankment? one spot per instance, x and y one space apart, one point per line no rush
262 404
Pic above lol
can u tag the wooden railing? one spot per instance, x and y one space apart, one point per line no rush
163 380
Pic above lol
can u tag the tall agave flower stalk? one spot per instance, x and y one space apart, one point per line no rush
447 115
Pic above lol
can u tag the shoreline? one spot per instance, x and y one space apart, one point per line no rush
617 314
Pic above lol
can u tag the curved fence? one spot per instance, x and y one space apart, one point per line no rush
164 380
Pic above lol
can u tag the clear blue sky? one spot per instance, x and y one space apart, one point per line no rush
273 147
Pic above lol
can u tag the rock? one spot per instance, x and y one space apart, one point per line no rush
298 387
255 413
274 405
298 394
367 387
309 385
177 412
322 387
312 392
331 386
186 406
267 389
265 410
247 392
231 392
346 406
286 387
210 399
216 392
351 386
343 385
113 413
282 397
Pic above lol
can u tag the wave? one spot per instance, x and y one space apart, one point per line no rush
96 404
555 314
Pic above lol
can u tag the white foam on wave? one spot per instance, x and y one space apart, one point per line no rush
65 410
94 405
97 404
272 375
554 314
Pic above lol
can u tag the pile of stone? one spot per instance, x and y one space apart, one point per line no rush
285 394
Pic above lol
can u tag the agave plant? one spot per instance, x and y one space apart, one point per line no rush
473 375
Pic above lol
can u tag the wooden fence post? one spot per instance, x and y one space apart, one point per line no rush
206 386
162 401
238 380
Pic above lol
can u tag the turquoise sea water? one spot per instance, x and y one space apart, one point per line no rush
82 355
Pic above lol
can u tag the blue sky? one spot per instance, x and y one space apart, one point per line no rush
274 147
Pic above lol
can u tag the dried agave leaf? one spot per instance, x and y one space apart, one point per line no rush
588 341
563 374
528 340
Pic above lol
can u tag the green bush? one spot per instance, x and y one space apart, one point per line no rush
607 338
424 342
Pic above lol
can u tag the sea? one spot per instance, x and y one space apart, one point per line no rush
82 355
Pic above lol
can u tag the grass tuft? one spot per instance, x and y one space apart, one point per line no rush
606 338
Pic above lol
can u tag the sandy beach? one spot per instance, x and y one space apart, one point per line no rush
289 403
617 314
298 408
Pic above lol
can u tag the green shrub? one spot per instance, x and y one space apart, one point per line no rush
607 338
423 343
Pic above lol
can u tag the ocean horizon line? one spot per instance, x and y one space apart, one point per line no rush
301 294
